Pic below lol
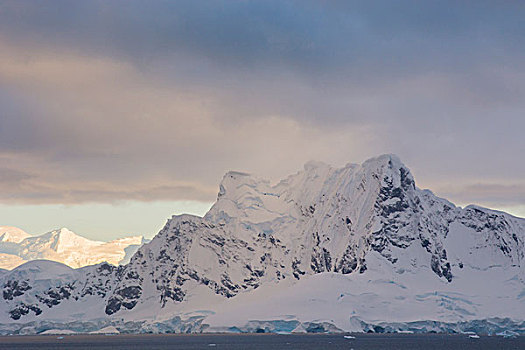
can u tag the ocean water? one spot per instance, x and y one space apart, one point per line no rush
262 341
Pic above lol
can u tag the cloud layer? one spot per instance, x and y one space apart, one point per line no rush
106 101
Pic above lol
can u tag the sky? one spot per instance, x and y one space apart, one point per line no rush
115 115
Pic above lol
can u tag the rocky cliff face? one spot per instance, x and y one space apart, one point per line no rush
320 220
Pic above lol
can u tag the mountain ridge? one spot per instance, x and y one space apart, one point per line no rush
360 242
62 245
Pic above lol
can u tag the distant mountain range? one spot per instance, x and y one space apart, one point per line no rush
64 246
357 248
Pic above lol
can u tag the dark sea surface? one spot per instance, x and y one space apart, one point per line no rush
263 341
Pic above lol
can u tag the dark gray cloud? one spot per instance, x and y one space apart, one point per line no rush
170 94
314 37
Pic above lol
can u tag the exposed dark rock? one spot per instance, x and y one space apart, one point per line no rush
13 289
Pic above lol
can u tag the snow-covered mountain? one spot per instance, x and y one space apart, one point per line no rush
9 239
12 234
62 245
359 248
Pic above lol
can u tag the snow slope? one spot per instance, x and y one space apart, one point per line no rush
62 245
357 248
12 234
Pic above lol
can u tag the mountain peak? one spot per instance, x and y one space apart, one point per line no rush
63 239
235 182
387 157
65 232
390 161
12 234
395 172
